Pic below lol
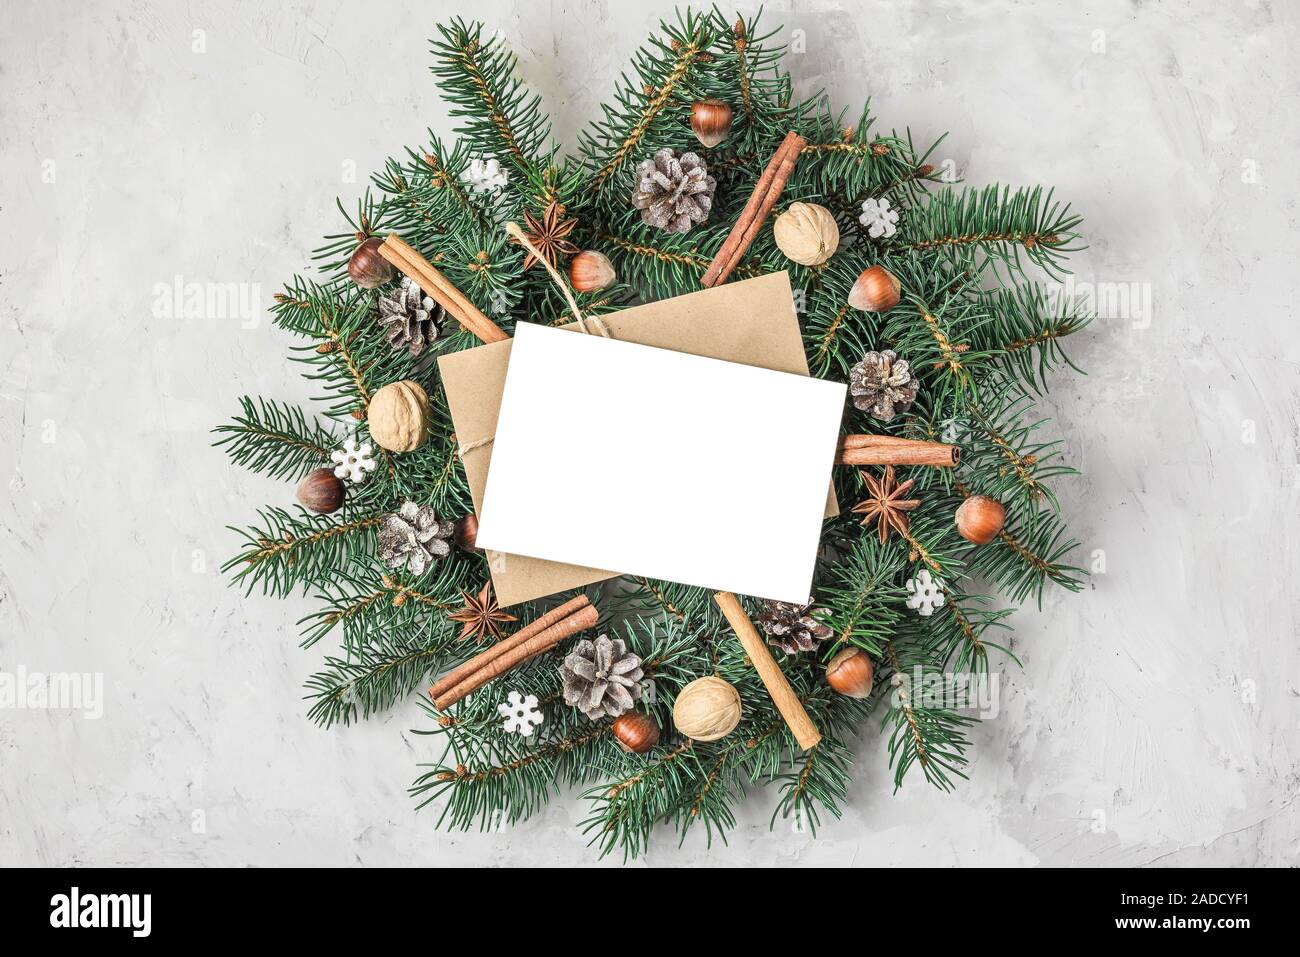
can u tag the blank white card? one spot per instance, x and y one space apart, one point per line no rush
656 463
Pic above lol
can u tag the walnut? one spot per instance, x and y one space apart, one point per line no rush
807 233
398 416
707 709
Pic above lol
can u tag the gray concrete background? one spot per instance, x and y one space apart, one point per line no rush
1155 720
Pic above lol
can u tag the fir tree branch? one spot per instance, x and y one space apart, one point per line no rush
856 600
845 146
1004 224
358 606
1036 562
376 680
1028 331
710 780
658 594
819 781
550 750
442 178
967 628
686 55
930 738
688 260
335 343
829 336
922 553
477 78
290 551
951 354
275 439
613 793
1021 465
495 790
1031 556
740 45
429 187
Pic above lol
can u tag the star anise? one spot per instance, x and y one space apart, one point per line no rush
549 234
886 505
481 617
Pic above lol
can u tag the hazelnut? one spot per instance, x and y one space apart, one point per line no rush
467 532
980 518
367 267
321 491
590 271
711 121
876 290
850 672
636 732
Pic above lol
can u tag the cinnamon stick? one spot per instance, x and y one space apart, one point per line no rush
783 696
543 641
411 264
459 674
890 450
784 168
736 242
766 192
420 271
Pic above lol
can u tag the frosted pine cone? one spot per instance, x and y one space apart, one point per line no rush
411 320
882 385
792 628
414 537
602 679
674 191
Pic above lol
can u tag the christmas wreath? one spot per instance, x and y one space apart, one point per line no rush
931 300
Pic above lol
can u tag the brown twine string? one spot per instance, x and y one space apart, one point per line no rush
464 450
522 238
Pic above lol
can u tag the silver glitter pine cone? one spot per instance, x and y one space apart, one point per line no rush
414 537
602 679
674 191
883 385
792 628
411 320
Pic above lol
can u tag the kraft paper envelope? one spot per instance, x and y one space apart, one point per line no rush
751 322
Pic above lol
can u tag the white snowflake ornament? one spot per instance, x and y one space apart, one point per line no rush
926 593
878 218
484 175
521 713
351 462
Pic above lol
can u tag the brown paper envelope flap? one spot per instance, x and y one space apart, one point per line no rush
696 324
699 323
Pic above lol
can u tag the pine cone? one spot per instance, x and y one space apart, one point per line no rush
883 385
410 319
792 628
602 679
413 536
674 191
